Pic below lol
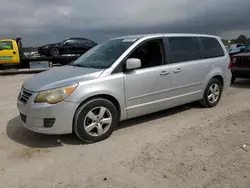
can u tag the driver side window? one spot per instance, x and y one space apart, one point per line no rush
150 53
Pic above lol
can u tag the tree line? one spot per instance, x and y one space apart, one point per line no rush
242 39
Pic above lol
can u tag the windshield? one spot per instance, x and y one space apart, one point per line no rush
104 54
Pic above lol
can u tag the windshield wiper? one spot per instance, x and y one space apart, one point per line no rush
85 66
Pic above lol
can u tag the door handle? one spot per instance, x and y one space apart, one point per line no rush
178 70
14 52
164 73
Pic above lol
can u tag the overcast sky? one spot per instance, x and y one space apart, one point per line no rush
47 21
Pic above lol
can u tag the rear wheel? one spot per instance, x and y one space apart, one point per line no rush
95 120
54 51
212 93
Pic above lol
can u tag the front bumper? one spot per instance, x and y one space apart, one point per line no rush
241 72
34 115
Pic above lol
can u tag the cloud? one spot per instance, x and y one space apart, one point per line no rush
42 21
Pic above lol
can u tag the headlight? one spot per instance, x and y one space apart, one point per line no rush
56 95
234 60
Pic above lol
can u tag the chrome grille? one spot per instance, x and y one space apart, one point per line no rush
24 95
243 61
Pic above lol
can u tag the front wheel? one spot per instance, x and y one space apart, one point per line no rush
95 120
212 93
54 51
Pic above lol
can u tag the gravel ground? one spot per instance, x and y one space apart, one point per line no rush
183 147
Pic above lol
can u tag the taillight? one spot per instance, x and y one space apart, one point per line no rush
230 64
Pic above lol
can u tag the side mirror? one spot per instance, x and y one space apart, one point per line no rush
133 63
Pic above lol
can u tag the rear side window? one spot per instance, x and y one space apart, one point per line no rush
184 49
85 42
212 47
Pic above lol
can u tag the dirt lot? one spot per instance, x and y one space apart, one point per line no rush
184 147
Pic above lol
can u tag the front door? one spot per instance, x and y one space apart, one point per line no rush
147 88
8 55
70 47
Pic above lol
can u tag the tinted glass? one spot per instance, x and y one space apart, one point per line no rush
72 41
104 54
150 54
6 45
184 49
84 42
212 47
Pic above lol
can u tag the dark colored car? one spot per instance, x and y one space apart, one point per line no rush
235 51
75 45
241 65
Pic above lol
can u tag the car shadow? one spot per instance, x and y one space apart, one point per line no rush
241 83
157 115
16 132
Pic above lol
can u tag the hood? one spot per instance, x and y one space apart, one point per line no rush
60 76
242 54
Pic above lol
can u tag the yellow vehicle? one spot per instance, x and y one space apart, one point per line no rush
11 55
9 52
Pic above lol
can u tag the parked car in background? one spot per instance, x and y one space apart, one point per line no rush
235 49
123 78
232 46
75 45
241 64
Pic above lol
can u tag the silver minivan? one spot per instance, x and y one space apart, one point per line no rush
123 78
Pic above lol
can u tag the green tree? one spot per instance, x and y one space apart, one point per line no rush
242 39
248 41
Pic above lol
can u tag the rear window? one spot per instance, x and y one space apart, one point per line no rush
212 47
6 45
184 49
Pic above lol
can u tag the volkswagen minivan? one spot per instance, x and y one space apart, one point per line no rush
123 78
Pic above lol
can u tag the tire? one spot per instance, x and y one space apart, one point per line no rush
233 79
54 52
89 123
209 101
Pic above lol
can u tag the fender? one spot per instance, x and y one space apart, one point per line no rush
216 71
112 86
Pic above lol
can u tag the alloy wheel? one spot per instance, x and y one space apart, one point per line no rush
54 51
97 121
213 93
